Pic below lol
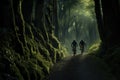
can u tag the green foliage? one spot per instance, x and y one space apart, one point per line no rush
94 47
77 21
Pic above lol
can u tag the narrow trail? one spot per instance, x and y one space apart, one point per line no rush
81 68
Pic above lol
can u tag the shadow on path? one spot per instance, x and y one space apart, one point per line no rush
81 68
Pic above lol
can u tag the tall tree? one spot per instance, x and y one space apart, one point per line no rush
99 16
111 19
55 17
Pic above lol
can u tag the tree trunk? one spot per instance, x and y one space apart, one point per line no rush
111 21
55 17
99 19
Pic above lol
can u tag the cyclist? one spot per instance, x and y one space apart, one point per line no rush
74 45
82 44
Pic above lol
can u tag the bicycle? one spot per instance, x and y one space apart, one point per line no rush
74 51
82 49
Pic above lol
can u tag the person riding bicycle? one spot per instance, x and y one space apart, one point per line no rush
82 44
74 45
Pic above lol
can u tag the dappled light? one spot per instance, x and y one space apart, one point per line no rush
59 40
77 22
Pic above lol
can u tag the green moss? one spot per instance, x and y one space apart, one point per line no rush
28 31
16 72
52 52
26 50
23 67
45 53
63 51
58 56
36 62
43 63
54 41
94 48
38 70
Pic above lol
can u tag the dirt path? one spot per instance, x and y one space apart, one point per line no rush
81 68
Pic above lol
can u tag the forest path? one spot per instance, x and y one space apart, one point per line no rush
79 67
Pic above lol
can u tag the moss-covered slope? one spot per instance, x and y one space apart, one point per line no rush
28 47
